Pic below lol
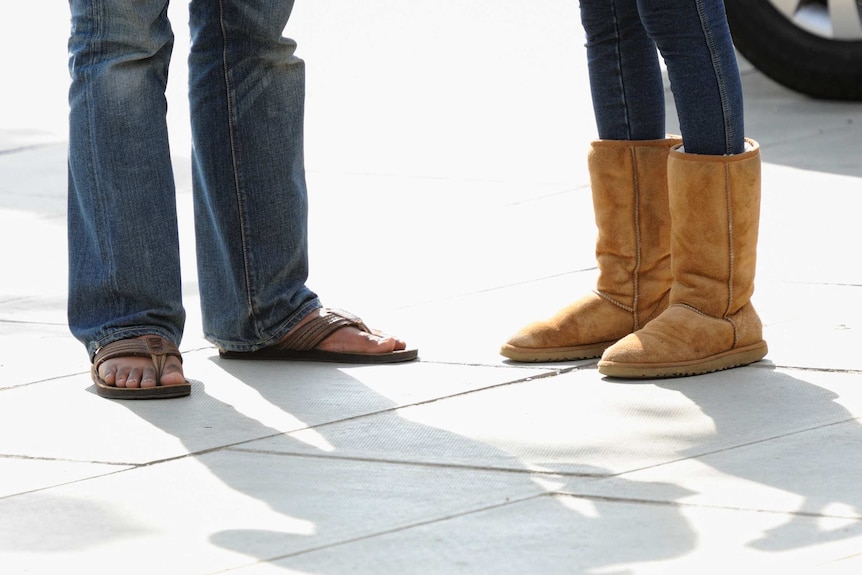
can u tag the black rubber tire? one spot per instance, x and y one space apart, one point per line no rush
793 57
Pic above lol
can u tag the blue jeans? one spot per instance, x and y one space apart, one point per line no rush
247 98
625 78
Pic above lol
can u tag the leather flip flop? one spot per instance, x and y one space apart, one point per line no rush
156 348
301 344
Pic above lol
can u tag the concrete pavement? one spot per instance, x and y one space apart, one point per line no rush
449 204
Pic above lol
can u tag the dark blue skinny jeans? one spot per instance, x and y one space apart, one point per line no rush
625 78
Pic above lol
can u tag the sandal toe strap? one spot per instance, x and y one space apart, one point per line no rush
152 346
309 335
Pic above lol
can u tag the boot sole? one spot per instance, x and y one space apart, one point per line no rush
726 360
527 355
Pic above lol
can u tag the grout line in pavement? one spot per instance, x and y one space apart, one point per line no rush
737 446
551 494
29 322
235 445
509 501
125 467
27 148
810 369
667 503
493 289
430 177
431 464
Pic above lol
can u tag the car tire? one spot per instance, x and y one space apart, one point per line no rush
809 63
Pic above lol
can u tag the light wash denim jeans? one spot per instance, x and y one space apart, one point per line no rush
625 78
247 98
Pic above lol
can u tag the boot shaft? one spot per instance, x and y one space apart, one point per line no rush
715 213
630 199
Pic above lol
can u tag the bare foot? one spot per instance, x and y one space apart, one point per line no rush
354 340
135 372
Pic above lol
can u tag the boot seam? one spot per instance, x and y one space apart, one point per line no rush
730 230
735 331
726 318
611 300
655 312
638 255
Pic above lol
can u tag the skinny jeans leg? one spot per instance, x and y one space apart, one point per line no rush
694 40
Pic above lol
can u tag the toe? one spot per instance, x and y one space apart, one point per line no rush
133 380
388 343
353 340
172 374
108 374
148 378
121 376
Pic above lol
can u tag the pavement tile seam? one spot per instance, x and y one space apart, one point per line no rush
767 364
689 505
809 369
236 445
121 469
24 148
503 287
692 456
755 442
26 322
395 408
566 186
552 495
544 369
417 524
45 380
429 464
127 465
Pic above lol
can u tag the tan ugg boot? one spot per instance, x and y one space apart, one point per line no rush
710 324
629 187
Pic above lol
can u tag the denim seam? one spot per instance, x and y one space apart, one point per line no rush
620 71
235 163
278 333
100 216
722 85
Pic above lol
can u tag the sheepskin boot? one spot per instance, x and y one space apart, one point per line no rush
710 323
630 200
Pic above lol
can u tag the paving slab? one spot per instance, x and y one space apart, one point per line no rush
580 424
812 325
228 509
23 475
767 476
808 226
19 339
34 181
561 534
231 402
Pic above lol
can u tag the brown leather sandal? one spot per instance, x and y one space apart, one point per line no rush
300 344
152 346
